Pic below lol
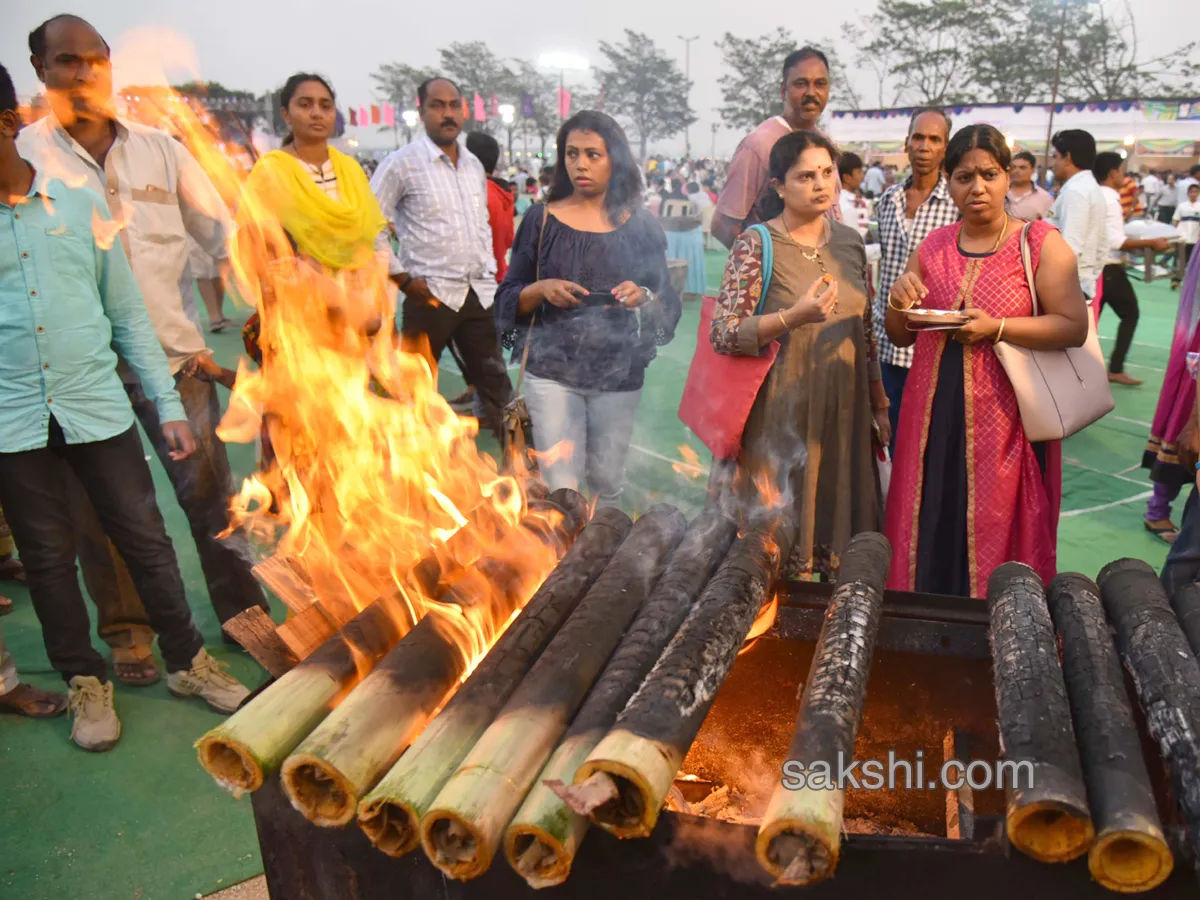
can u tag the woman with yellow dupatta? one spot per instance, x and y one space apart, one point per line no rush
308 219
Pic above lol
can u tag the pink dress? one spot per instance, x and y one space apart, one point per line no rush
969 492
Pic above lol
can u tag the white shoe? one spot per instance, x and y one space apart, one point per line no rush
208 680
94 722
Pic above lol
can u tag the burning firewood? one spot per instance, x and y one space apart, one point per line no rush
390 814
1186 604
631 770
800 836
542 838
463 829
257 738
1165 673
1049 820
1130 852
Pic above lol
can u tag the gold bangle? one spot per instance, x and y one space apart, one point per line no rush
899 309
996 339
786 326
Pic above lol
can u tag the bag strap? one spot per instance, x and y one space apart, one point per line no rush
1027 262
768 263
533 319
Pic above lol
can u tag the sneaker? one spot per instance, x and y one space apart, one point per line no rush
94 722
464 403
207 680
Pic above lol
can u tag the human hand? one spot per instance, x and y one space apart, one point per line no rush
205 368
907 292
1160 245
560 293
417 289
981 327
178 436
814 306
629 294
883 427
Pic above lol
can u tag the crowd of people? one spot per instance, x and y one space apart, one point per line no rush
570 271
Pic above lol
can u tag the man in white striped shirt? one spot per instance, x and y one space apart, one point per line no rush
435 193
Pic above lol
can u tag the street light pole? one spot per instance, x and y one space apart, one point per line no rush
715 126
1062 27
687 75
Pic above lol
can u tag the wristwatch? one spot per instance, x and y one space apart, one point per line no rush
650 295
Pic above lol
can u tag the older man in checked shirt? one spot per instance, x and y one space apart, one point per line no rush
434 191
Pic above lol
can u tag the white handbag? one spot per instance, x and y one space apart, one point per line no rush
1059 392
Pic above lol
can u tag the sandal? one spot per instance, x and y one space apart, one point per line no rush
1162 529
34 703
137 672
220 325
6 606
12 569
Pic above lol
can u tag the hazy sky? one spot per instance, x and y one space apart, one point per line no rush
255 44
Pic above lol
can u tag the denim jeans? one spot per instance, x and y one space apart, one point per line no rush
597 424
203 485
116 478
894 379
1183 561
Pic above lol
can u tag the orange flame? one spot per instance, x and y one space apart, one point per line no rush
690 467
372 470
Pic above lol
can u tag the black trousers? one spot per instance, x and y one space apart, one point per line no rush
473 331
36 501
1120 297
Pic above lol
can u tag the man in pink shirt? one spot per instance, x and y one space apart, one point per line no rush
805 91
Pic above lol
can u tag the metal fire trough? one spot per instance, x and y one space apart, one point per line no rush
930 690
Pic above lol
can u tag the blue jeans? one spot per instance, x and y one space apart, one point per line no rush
597 424
1183 562
894 379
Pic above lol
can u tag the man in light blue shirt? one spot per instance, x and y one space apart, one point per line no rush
67 298
1078 211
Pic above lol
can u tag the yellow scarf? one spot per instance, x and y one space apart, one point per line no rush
336 233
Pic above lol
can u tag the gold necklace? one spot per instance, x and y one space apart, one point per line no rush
816 251
999 237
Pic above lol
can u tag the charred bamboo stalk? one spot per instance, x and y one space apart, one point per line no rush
1130 852
800 836
390 814
1047 816
541 841
254 741
1166 675
629 773
464 827
1186 604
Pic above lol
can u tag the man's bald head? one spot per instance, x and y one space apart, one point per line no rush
72 60
37 37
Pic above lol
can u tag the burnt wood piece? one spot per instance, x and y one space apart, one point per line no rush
465 825
800 836
254 630
545 834
305 631
390 814
643 751
281 576
1165 673
1186 604
1049 820
1130 852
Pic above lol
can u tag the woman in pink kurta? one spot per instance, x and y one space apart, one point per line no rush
968 490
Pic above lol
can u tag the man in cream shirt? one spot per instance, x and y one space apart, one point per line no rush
1078 211
161 195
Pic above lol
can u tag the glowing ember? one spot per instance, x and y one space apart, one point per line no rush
690 467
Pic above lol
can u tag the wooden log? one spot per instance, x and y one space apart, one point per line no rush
800 835
541 841
1130 852
307 630
254 630
279 575
1048 819
1186 604
1165 674
464 827
390 814
636 762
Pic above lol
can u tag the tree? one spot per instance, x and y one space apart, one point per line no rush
237 113
542 89
1013 59
476 70
879 62
396 83
645 87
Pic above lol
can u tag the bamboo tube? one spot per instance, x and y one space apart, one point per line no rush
390 814
1186 604
1166 675
463 829
541 841
1130 853
252 742
1048 820
633 767
800 836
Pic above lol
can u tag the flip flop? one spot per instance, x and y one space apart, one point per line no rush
137 673
12 569
1165 533
34 703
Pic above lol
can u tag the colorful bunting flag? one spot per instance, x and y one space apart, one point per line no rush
353 116
494 106
480 112
526 106
389 115
564 103
375 116
363 118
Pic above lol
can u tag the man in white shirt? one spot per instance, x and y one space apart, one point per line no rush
1118 292
158 191
1187 219
875 181
1182 185
1151 187
854 210
1079 209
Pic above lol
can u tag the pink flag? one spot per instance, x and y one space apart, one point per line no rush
480 112
363 116
389 114
494 106
564 103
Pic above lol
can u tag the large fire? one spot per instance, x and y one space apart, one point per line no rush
372 470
